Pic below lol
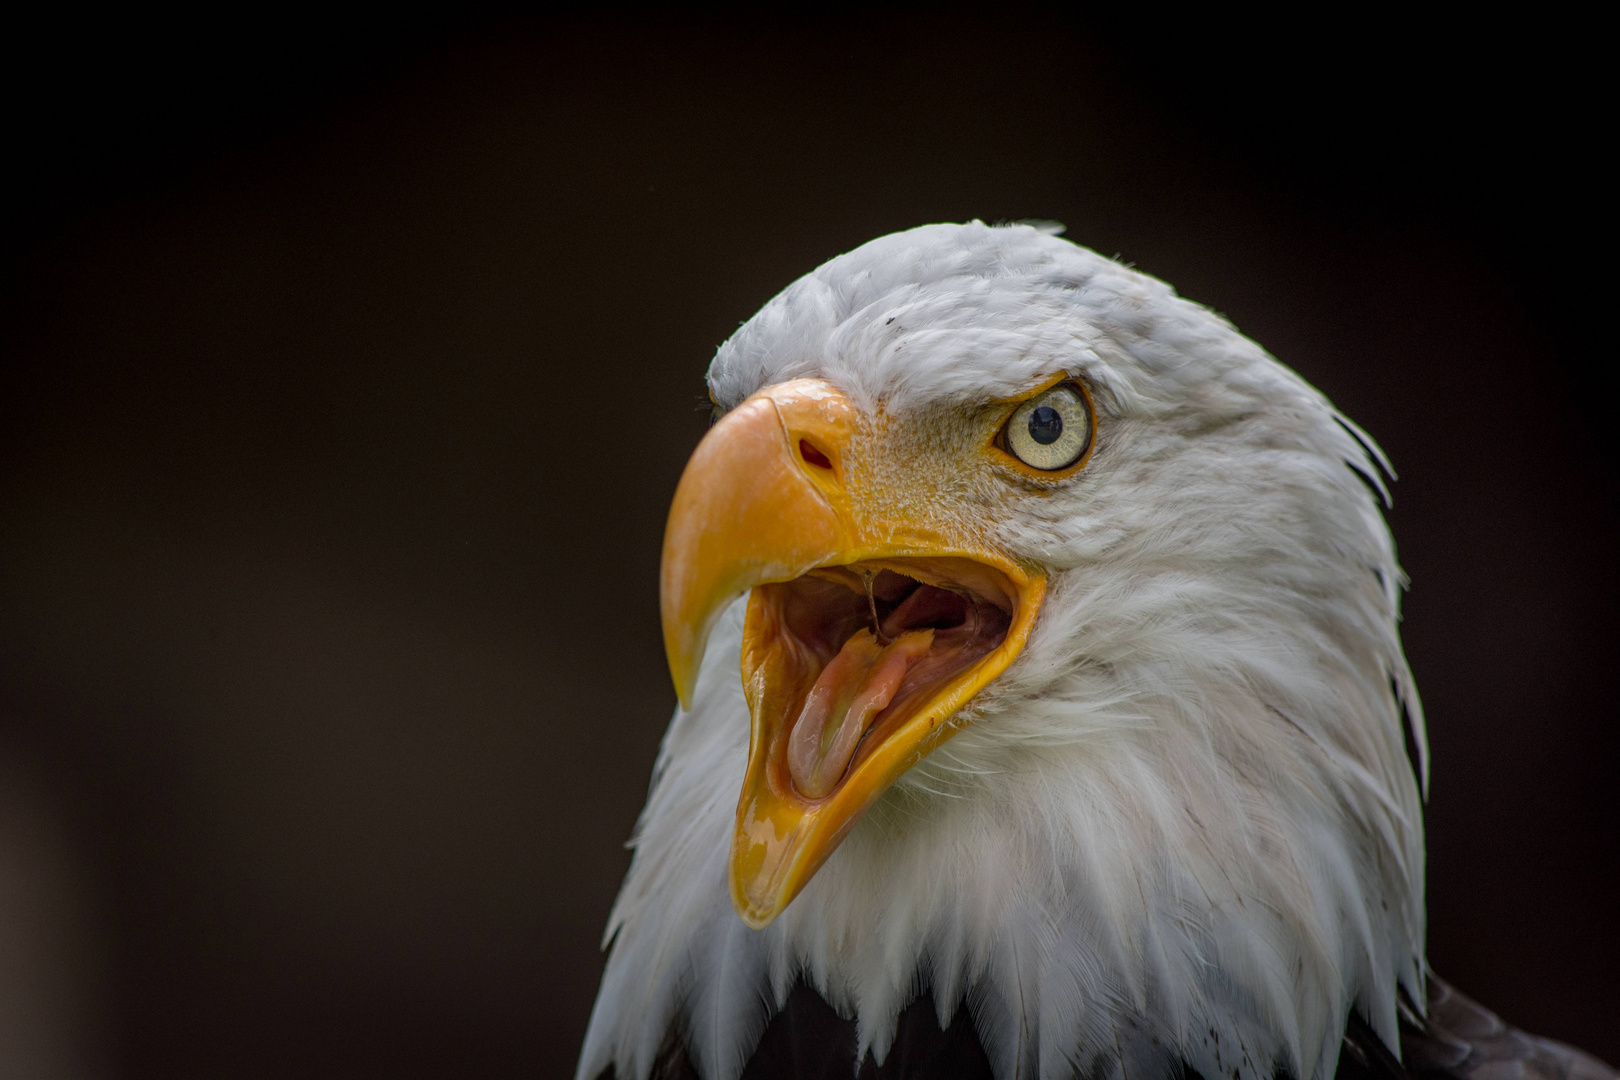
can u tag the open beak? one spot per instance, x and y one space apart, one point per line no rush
869 624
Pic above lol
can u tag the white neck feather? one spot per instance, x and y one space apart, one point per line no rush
1141 889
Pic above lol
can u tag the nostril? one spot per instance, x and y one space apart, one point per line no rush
812 456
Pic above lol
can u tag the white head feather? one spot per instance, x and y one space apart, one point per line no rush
1182 826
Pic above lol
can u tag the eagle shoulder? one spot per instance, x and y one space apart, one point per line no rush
1459 1039
1462 1039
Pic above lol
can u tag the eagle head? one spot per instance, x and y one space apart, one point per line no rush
1036 639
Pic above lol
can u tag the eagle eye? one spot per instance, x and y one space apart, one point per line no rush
1052 431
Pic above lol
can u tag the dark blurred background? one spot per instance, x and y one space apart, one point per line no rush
348 367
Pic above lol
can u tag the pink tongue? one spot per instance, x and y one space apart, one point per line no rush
854 687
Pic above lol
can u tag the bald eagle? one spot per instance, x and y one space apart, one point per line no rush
1043 707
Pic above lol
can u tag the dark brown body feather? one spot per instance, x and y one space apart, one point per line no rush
1459 1040
1462 1039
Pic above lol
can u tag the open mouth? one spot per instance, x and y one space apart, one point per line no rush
844 656
872 622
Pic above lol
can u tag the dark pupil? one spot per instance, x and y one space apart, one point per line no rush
1045 425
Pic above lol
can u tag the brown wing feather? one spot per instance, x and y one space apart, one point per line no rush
1462 1039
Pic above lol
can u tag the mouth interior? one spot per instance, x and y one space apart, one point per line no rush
863 648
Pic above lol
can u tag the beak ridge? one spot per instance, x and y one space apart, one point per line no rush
747 512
